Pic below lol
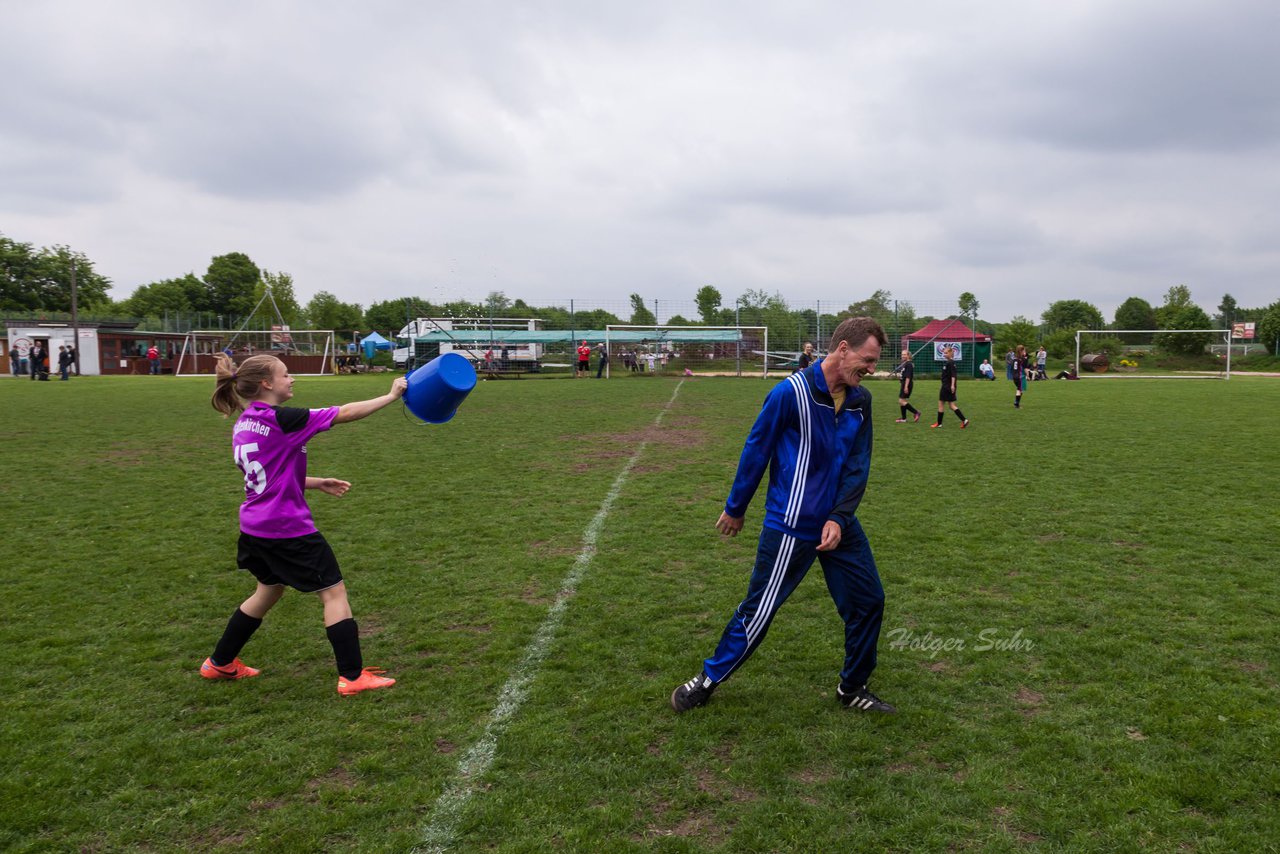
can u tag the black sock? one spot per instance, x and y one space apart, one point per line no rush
237 633
904 412
939 421
959 414
344 637
910 408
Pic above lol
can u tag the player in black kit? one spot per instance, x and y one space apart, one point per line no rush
947 394
907 382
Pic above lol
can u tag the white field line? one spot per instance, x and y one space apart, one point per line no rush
439 833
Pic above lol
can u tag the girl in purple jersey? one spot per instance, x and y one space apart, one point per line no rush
279 542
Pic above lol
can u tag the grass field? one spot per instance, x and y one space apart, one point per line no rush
1081 628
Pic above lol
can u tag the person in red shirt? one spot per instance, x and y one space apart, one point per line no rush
153 357
584 360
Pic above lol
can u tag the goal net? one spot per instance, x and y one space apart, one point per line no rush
690 350
1153 353
306 352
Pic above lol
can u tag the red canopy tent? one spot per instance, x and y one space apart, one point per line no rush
974 346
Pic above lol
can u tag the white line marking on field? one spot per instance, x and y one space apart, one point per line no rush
439 834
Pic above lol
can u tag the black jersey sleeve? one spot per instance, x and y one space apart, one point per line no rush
291 418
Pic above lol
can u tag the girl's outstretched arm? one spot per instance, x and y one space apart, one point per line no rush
361 409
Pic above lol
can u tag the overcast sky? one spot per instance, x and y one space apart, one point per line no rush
1025 151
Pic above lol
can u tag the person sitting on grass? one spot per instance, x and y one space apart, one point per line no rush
279 543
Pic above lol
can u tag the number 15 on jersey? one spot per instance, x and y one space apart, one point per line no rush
255 477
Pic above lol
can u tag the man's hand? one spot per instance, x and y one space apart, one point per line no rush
728 525
332 485
831 534
398 388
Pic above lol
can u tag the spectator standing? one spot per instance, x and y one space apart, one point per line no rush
64 363
1008 364
1041 358
806 356
37 357
584 360
153 360
14 359
604 361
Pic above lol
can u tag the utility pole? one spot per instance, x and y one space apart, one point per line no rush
75 320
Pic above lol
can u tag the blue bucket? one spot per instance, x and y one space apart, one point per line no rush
437 388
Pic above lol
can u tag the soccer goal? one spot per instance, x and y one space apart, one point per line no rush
687 350
306 352
1153 353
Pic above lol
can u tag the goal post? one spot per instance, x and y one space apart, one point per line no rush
687 350
1153 353
306 352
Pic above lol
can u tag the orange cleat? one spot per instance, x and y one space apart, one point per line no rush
366 681
935 425
964 423
235 670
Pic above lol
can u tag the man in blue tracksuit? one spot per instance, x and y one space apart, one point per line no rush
814 434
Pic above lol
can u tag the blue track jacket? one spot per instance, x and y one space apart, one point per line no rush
818 460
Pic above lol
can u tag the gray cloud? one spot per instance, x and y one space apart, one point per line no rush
578 150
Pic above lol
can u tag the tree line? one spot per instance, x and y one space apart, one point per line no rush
231 291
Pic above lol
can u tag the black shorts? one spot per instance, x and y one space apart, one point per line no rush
1017 382
304 563
904 393
583 366
946 395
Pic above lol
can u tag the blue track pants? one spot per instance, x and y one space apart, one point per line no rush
781 562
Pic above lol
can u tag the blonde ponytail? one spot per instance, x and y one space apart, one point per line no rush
238 385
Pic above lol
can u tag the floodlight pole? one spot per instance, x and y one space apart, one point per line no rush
75 320
737 322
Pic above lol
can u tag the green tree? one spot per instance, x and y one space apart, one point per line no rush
41 279
679 320
1020 330
1227 310
325 311
17 274
496 304
1269 328
1187 317
1073 314
641 316
1134 313
1176 298
877 305
281 285
170 295
392 315
969 305
230 283
709 300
